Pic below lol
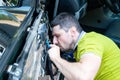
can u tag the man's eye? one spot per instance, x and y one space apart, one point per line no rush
57 36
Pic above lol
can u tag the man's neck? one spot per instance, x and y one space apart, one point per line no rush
78 37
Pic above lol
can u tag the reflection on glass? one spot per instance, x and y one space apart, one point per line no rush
10 21
8 2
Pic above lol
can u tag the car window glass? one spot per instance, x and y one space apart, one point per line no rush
10 21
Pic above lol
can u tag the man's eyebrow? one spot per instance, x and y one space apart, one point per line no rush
55 34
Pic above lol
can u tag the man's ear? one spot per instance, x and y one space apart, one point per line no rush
73 31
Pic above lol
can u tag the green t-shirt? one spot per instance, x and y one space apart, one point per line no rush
106 49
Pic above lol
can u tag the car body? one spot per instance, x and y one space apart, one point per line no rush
17 22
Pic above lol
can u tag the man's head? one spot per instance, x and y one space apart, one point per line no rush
66 21
66 30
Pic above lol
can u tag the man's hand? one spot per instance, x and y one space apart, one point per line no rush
54 52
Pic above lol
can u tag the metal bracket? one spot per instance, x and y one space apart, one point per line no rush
14 71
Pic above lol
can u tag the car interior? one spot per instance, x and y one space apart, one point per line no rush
102 17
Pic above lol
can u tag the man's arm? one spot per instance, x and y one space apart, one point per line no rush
85 69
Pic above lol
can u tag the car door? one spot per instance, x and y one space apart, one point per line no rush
15 18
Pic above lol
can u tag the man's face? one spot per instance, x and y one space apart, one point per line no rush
61 38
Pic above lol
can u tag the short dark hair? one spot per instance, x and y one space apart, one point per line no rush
66 21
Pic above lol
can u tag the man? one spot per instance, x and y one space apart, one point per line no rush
97 57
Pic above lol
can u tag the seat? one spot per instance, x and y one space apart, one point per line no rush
113 5
113 31
75 7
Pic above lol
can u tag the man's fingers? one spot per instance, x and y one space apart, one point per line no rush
52 45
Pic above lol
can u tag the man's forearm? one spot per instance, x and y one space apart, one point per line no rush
69 70
85 69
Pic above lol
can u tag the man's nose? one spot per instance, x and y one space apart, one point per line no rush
55 40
